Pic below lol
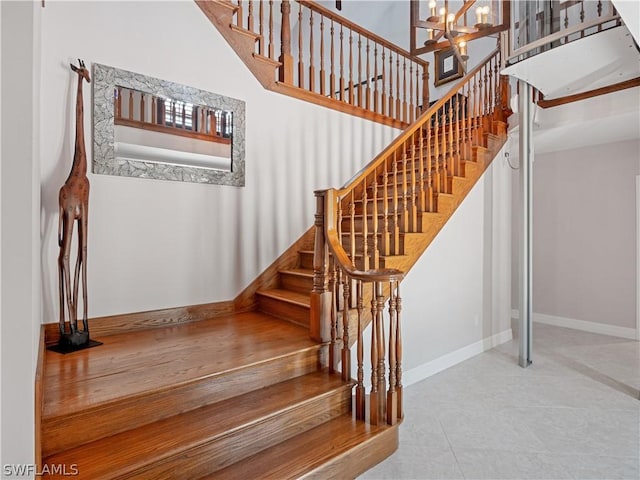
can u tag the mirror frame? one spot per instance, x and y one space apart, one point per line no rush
105 162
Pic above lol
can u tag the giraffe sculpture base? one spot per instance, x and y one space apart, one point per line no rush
72 342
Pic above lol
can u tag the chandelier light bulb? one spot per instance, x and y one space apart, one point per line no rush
432 8
443 14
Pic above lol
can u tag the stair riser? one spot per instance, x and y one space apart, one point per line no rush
62 433
359 459
306 260
281 309
236 446
296 283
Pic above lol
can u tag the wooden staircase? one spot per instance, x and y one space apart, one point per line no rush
257 390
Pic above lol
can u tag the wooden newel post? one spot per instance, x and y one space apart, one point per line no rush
320 315
286 68
425 88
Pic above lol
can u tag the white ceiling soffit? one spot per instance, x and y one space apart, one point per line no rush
599 120
629 10
599 60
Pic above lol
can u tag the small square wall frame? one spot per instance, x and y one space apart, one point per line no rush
105 161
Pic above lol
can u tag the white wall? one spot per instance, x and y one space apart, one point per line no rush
157 244
458 293
456 298
20 205
585 233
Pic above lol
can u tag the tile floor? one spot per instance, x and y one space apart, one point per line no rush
573 414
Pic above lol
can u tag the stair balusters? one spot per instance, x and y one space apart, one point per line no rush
362 225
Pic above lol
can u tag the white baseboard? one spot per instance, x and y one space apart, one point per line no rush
426 370
583 325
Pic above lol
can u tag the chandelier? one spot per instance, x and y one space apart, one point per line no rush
443 21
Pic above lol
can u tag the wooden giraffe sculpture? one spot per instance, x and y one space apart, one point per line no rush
74 206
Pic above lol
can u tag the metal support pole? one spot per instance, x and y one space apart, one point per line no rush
525 98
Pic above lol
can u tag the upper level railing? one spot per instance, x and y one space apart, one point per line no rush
363 221
325 55
540 25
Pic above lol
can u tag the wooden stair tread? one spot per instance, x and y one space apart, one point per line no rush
126 452
297 298
302 272
306 452
132 364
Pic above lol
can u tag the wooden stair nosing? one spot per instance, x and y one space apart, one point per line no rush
217 434
342 448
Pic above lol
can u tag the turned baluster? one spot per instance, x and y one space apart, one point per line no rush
430 198
413 212
163 112
239 14
425 89
365 229
142 112
599 14
261 28
322 72
300 48
312 68
374 223
442 136
272 54
436 153
394 209
582 17
341 81
130 105
399 114
332 76
386 248
375 77
351 91
422 174
286 60
391 101
487 93
359 87
250 18
412 106
373 396
383 99
360 390
475 136
346 352
153 110
450 138
404 90
368 87
463 127
352 227
173 114
398 355
392 395
379 326
333 288
184 111
405 191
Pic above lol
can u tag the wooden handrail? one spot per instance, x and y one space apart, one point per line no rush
400 139
316 7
